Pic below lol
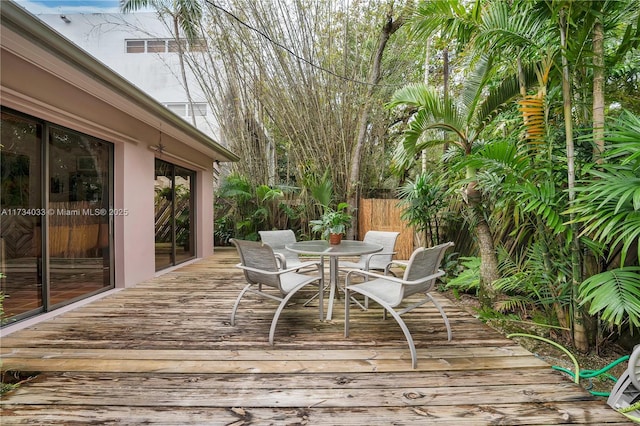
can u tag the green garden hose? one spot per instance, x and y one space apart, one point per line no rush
551 342
587 374
584 374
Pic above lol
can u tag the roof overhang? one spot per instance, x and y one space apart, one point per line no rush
26 37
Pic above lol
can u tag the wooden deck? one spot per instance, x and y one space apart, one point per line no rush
165 353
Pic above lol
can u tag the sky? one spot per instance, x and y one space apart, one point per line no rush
69 6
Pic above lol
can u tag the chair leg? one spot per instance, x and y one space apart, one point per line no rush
346 312
407 335
444 316
283 303
386 307
274 321
321 297
312 298
235 305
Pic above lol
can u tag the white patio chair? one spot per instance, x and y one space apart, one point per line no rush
261 268
277 240
390 292
625 395
375 261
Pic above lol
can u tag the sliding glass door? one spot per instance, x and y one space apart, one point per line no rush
174 221
55 229
79 189
21 220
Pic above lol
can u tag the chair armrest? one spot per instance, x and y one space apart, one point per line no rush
395 262
282 261
392 279
438 274
369 257
318 264
278 272
365 273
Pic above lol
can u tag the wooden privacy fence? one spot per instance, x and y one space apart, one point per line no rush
384 215
76 230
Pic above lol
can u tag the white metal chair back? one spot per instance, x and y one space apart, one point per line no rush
423 262
387 240
278 240
376 261
262 259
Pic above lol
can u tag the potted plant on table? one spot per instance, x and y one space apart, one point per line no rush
333 223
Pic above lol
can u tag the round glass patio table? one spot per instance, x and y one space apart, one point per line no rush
323 248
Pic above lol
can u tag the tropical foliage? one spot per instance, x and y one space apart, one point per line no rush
509 127
514 123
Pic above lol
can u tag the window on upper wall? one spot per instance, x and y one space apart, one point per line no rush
178 108
199 45
163 45
135 46
156 46
183 109
172 46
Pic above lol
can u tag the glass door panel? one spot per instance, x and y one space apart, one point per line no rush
22 215
174 220
165 256
184 214
79 199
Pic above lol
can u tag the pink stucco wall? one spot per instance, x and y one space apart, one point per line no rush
134 231
62 88
204 185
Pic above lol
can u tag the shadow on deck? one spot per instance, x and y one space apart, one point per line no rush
165 353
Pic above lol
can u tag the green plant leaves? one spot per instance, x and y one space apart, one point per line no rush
614 294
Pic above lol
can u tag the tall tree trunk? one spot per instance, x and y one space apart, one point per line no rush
423 154
388 29
489 265
486 246
598 91
579 331
521 78
445 87
183 70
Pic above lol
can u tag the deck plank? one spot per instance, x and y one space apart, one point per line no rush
164 352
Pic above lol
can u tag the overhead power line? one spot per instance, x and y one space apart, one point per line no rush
288 50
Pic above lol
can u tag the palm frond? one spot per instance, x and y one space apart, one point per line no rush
511 31
614 294
449 17
542 200
499 97
512 304
624 136
189 13
475 85
609 207
433 112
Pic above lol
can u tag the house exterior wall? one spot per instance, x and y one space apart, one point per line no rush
66 88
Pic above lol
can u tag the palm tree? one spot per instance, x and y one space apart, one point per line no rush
186 16
464 121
